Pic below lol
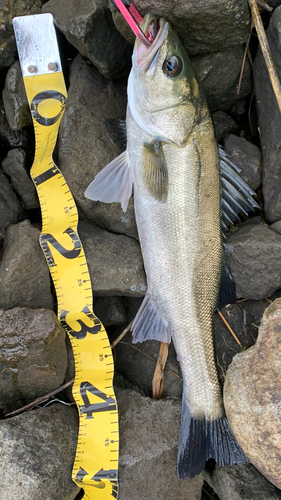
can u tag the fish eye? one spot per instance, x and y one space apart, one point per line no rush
172 66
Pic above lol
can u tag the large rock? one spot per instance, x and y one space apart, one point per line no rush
11 138
33 357
224 25
84 147
14 99
114 261
254 254
10 207
90 28
241 482
252 397
14 165
270 121
149 433
38 450
8 49
24 274
247 157
219 73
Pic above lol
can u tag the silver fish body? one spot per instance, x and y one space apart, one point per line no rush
182 252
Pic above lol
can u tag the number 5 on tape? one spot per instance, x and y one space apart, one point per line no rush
96 461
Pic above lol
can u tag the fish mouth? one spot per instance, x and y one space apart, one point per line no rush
156 31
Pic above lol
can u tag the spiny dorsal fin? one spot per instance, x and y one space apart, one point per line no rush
113 183
236 194
117 131
154 170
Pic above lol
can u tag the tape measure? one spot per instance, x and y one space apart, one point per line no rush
96 461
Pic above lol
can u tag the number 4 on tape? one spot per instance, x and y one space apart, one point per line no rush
96 462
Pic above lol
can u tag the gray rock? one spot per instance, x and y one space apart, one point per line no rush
247 157
219 73
223 125
33 358
270 121
110 310
252 397
137 362
225 26
254 254
9 137
276 226
10 208
114 261
241 482
90 28
37 450
148 450
14 99
8 49
84 147
24 274
14 165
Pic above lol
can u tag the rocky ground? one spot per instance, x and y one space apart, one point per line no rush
38 446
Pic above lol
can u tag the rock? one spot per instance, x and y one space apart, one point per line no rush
9 137
14 99
92 99
270 121
276 226
252 397
226 26
8 49
219 73
33 358
223 125
244 319
114 261
241 482
10 208
254 253
90 28
149 433
14 165
247 157
38 450
137 362
110 310
24 274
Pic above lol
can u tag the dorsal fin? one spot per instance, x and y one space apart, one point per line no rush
236 194
117 131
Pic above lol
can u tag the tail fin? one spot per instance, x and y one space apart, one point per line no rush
204 439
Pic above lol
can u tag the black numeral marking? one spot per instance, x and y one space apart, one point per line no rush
108 403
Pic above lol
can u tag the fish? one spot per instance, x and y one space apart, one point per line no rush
186 193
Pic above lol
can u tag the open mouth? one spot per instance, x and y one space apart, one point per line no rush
156 31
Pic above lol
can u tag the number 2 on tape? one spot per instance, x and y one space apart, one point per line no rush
96 461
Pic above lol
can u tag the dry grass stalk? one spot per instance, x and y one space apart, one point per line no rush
269 300
266 51
40 400
158 377
246 52
230 329
122 335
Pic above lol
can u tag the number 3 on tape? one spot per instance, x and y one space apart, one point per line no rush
96 461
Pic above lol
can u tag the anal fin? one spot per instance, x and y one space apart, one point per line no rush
148 323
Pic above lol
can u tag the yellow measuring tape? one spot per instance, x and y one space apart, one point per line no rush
96 461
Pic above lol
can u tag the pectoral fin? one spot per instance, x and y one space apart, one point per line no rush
154 170
113 183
